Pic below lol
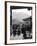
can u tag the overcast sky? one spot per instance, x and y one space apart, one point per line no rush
20 14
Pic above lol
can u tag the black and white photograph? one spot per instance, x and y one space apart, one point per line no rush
20 22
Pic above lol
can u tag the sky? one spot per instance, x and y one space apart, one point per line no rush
21 14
